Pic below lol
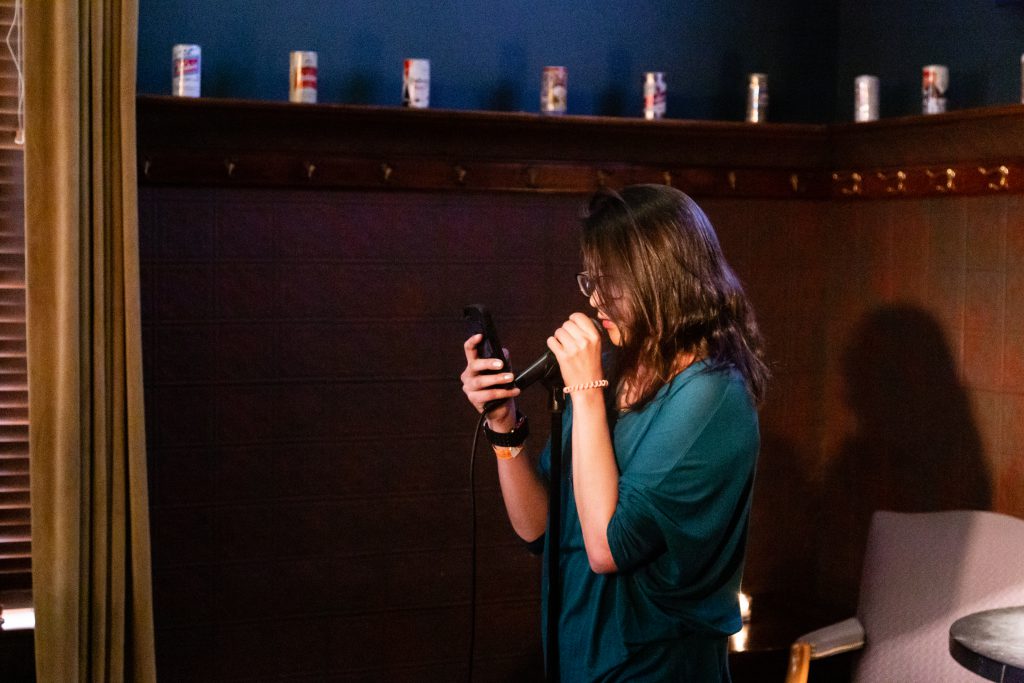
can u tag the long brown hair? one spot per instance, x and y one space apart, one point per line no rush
662 278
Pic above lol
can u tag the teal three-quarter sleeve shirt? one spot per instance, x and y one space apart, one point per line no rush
686 470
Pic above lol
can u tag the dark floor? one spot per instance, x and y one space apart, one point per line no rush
770 667
17 657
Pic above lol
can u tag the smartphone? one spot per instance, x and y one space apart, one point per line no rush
478 321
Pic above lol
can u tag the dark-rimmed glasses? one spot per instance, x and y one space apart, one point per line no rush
587 283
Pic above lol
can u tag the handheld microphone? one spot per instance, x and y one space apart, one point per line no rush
543 368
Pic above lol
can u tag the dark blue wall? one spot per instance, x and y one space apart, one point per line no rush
488 55
981 42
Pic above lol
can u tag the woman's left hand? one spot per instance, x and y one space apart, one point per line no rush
577 346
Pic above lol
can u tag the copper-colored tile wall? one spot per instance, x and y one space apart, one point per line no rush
927 410
926 413
780 251
897 337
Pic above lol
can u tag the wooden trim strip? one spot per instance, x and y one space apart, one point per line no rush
274 169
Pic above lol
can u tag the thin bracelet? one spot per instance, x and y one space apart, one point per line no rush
596 384
507 452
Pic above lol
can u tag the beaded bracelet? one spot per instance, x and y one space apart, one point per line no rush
596 384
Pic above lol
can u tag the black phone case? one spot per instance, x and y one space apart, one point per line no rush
478 320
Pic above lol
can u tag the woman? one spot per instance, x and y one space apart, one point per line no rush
662 445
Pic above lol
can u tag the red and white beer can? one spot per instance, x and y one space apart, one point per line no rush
934 83
186 70
416 83
302 77
655 92
554 84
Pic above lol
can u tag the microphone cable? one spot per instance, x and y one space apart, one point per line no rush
472 546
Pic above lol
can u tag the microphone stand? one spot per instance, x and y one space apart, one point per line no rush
546 370
556 406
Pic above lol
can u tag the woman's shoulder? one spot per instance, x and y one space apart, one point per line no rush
706 378
707 392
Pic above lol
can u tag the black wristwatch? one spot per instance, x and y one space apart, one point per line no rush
512 439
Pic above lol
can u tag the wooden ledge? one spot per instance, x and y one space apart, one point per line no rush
216 142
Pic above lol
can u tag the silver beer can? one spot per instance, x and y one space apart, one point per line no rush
416 83
655 92
757 98
554 82
934 83
865 98
186 70
302 77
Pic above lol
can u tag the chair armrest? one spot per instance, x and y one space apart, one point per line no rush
842 637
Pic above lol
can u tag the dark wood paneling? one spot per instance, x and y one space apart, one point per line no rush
969 135
307 436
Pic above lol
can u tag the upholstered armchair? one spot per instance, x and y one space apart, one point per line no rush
922 571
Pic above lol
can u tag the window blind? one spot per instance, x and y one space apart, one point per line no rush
15 527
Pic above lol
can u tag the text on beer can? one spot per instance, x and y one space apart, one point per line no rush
186 70
302 75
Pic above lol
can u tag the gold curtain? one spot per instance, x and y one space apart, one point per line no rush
90 521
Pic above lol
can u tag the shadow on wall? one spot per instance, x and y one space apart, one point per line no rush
507 94
914 446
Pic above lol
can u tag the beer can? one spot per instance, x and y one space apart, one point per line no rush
416 83
186 70
1022 79
865 98
553 89
934 83
655 92
757 98
302 77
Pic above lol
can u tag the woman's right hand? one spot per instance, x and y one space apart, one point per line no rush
481 387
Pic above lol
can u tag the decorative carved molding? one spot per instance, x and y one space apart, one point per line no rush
963 179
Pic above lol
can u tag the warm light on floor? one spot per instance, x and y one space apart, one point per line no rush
744 606
738 640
